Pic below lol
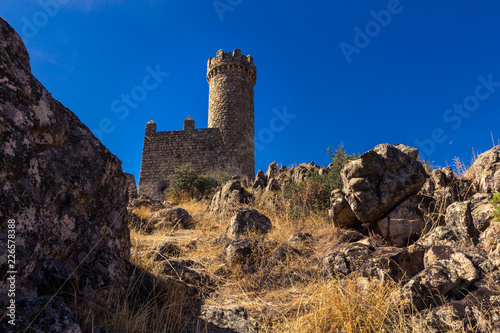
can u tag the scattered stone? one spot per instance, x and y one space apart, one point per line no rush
240 250
246 220
168 250
174 218
301 239
260 181
233 317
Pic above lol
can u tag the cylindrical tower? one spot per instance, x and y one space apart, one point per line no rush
231 77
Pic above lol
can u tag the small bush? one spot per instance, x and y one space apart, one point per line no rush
313 194
187 182
339 157
496 202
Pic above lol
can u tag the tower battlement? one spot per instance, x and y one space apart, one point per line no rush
225 62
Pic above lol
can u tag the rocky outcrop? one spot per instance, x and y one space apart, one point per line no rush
131 186
231 197
485 171
340 212
380 179
62 189
404 224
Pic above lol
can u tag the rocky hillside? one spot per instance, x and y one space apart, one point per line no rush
401 249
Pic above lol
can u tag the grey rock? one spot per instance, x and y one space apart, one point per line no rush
233 317
340 212
459 219
174 217
260 181
246 220
380 179
446 271
42 314
65 190
230 198
485 171
404 224
240 250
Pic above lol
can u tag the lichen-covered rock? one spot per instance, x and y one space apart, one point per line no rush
301 239
230 198
380 179
232 317
260 181
246 220
42 314
404 224
381 263
340 212
459 219
174 218
64 189
477 312
131 186
482 211
239 251
446 271
490 240
485 171
273 171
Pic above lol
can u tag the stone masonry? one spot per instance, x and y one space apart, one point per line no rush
228 142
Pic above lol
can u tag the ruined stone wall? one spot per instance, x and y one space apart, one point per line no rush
164 152
231 77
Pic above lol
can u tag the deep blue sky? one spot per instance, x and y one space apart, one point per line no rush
404 75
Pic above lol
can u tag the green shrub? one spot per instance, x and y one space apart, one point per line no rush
313 194
339 157
496 202
187 182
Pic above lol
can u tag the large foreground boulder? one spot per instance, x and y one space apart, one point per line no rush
380 179
63 192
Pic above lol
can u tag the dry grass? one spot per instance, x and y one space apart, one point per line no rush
164 308
347 305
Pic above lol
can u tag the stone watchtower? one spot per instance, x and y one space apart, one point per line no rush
231 78
228 142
